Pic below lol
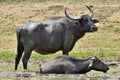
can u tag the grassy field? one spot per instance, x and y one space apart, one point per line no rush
104 43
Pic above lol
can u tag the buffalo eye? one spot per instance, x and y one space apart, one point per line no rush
86 20
77 23
95 21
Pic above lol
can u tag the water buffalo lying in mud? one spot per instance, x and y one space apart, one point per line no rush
50 36
67 65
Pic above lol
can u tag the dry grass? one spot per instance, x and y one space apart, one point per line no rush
106 40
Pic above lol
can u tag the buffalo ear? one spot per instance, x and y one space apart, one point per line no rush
92 59
91 64
95 21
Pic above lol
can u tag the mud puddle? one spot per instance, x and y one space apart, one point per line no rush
10 74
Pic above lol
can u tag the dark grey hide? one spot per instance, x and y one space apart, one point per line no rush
50 36
67 65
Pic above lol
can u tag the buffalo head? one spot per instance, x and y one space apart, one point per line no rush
85 22
98 65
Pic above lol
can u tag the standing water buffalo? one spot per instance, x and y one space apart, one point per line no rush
67 65
50 36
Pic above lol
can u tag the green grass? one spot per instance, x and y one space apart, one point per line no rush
113 28
6 56
20 67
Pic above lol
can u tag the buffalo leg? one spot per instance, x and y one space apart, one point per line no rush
20 50
25 59
26 56
65 53
67 43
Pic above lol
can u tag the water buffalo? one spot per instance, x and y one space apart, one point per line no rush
67 65
50 36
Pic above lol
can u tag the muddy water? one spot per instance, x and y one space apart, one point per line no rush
31 75
10 74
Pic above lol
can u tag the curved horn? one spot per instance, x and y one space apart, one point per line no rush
91 11
69 16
